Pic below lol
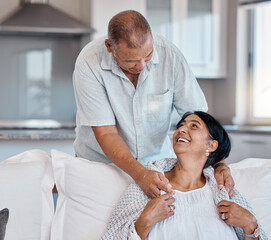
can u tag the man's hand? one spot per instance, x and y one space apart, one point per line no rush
224 178
151 182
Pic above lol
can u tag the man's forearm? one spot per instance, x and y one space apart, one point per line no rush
118 152
112 144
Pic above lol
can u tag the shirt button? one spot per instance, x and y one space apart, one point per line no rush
140 145
137 123
134 99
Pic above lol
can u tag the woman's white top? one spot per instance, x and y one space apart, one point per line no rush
195 217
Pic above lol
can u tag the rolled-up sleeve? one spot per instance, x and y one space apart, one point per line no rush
93 106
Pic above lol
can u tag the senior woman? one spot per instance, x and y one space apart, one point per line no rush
198 209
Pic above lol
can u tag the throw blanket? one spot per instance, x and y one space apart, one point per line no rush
131 205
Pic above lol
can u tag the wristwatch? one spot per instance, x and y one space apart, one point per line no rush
255 234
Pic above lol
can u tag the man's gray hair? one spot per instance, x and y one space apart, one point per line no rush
129 26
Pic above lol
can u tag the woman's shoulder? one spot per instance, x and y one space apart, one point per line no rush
133 194
162 165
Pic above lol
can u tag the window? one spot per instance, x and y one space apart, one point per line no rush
261 62
34 100
254 61
36 79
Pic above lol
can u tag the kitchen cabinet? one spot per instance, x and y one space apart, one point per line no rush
15 141
198 28
9 148
249 145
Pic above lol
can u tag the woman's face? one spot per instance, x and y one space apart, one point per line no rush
191 137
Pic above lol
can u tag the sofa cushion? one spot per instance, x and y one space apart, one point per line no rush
89 191
253 179
87 194
26 182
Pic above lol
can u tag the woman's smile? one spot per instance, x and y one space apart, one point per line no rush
180 139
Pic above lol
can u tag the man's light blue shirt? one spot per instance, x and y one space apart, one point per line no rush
142 115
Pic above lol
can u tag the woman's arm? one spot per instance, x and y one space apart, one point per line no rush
130 209
156 210
237 198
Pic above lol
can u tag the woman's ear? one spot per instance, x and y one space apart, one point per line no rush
213 145
108 45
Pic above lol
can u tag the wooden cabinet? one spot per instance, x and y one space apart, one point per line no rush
198 28
245 145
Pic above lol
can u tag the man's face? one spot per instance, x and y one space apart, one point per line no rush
132 60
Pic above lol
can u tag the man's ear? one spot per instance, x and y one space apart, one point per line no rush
108 45
213 145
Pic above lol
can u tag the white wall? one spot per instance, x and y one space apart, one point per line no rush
208 87
7 7
220 93
225 89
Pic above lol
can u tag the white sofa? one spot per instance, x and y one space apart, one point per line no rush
88 192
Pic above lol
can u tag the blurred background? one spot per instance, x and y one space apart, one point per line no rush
226 43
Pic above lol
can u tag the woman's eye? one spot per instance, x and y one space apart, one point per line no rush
194 126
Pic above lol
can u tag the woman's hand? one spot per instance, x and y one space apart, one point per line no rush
151 182
223 177
156 210
235 215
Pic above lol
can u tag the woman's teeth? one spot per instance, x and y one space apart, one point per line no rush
182 140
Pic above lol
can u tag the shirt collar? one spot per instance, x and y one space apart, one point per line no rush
155 58
108 61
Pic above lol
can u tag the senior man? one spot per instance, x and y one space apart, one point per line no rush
126 87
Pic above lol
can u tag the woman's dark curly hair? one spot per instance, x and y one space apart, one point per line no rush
216 132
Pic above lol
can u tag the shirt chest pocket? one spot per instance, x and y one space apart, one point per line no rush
159 106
